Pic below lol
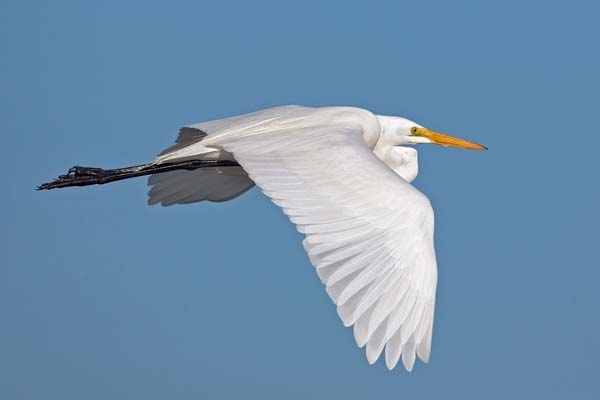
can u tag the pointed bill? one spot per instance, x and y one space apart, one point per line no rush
445 140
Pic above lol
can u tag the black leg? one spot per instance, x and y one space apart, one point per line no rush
84 176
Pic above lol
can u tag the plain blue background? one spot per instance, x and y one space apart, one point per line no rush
104 297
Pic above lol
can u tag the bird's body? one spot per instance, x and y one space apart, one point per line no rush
342 178
208 140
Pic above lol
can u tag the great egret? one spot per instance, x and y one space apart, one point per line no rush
342 177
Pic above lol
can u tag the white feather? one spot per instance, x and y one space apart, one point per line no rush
369 233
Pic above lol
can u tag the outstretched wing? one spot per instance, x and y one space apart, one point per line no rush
369 233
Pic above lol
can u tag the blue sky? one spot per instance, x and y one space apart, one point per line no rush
104 297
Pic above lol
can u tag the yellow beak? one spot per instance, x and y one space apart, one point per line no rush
445 140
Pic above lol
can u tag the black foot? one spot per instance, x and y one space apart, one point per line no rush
78 171
77 176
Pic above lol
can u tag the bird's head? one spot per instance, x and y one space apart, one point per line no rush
397 131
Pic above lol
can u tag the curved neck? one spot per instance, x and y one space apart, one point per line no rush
403 161
384 142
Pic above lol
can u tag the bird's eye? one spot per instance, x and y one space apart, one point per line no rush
413 130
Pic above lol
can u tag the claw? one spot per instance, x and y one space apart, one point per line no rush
78 171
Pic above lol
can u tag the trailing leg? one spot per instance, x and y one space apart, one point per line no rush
84 176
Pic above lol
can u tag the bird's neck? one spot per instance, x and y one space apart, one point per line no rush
385 141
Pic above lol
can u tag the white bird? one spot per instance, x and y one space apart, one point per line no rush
343 178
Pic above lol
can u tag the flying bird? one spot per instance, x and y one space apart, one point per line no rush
343 176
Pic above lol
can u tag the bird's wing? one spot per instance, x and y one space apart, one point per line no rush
194 139
369 233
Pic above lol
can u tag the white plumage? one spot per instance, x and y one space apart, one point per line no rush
339 175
